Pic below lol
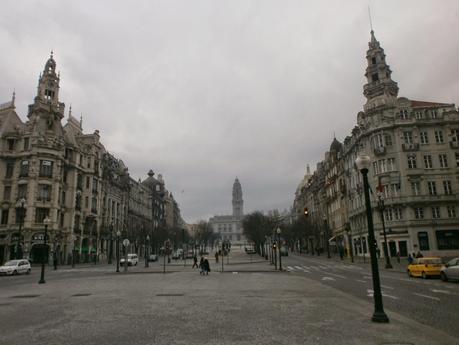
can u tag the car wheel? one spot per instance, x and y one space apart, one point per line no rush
443 276
15 273
28 271
424 276
136 263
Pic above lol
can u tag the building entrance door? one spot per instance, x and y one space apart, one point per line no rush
403 248
2 254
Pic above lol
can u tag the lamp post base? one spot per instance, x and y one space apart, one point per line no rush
380 317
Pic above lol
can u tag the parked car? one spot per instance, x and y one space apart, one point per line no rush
153 257
425 267
450 271
14 267
132 260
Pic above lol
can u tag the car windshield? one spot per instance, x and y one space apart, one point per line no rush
11 263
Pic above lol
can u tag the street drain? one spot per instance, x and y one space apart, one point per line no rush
24 296
170 294
81 295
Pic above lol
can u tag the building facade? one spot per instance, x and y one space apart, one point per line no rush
55 171
229 227
414 148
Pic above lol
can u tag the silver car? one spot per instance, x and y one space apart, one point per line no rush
14 267
451 270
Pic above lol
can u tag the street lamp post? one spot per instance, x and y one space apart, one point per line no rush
21 207
147 243
278 231
118 234
110 248
46 221
349 240
381 210
363 163
326 234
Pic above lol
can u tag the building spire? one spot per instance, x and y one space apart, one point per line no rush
380 88
14 97
238 202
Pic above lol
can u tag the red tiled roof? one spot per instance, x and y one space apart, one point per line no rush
417 104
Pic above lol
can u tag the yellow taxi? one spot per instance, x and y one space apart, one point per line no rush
425 267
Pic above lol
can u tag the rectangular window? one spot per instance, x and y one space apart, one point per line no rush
7 193
46 168
375 167
416 188
443 158
10 143
418 115
5 217
398 213
24 169
432 187
404 114
447 187
412 162
428 162
419 213
391 164
423 238
87 182
439 137
447 239
22 191
433 113
451 211
26 144
41 214
455 135
435 212
388 140
456 154
44 192
9 169
388 214
408 137
86 202
424 138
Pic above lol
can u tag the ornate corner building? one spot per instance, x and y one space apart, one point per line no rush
414 148
52 170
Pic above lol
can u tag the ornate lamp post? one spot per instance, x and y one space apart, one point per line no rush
118 234
278 231
326 235
147 243
110 248
363 163
349 240
46 221
21 209
381 210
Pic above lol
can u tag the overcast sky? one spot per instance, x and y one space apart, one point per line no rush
204 91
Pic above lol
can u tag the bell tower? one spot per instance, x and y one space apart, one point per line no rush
238 203
46 112
380 88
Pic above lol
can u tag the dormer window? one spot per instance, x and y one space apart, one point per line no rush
404 114
373 60
10 143
374 77
49 94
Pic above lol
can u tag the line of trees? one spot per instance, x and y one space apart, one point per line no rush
260 228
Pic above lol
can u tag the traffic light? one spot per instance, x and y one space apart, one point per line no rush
306 212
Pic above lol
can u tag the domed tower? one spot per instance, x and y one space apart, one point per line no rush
238 203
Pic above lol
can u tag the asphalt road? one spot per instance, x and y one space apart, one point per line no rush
430 302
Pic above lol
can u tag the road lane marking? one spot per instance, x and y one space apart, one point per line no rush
360 281
441 291
370 294
336 275
290 268
328 278
387 287
426 296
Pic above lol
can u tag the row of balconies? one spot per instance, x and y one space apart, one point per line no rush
381 150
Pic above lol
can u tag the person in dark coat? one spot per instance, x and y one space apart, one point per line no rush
206 266
195 261
201 266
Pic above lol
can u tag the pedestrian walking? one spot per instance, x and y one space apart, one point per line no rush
216 257
206 266
398 257
195 261
410 259
201 266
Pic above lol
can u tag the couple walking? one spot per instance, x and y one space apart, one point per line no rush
204 266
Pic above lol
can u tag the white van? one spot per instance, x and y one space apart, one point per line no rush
132 260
